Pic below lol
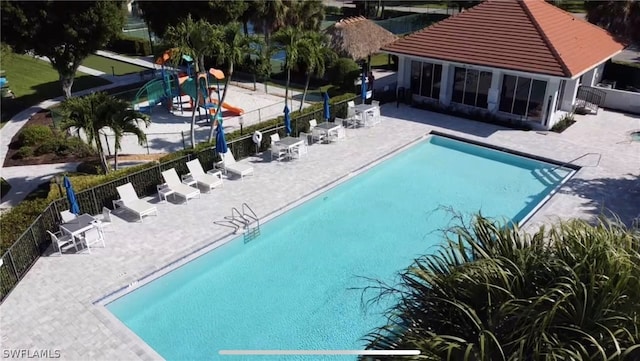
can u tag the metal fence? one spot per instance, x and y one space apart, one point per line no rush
22 255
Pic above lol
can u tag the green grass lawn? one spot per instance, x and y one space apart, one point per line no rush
33 80
111 66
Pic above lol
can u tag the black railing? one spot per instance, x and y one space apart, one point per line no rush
26 250
589 98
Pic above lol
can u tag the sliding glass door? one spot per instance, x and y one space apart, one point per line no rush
522 96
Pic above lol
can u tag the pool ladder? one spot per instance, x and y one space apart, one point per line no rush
247 220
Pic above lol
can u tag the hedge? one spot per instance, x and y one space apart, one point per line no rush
14 222
130 45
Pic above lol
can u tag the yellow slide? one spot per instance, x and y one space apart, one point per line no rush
230 108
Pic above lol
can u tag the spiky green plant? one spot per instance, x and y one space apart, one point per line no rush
495 293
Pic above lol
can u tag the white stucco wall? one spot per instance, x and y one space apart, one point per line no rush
550 115
621 100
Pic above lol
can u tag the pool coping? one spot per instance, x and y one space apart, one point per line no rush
145 351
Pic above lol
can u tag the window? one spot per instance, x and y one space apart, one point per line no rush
425 79
415 77
471 87
522 96
560 94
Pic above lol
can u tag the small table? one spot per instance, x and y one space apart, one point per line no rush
163 192
78 226
290 143
327 128
364 110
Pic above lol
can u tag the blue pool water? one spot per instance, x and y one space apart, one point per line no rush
296 286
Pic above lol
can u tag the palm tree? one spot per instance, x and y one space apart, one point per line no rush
271 15
92 113
494 293
125 120
290 41
232 48
305 14
197 39
315 53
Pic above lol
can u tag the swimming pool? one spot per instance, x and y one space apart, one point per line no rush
297 286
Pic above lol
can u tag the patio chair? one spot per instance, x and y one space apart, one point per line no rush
61 242
352 119
275 149
67 216
316 135
208 180
129 200
91 237
177 187
229 164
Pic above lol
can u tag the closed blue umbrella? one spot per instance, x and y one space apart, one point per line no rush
71 197
221 142
327 114
287 120
364 83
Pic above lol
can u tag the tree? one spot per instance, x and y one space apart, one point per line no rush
305 14
65 33
315 53
621 18
96 111
197 39
271 15
289 40
232 48
494 293
124 120
160 15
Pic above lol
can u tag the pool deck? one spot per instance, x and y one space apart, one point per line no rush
53 307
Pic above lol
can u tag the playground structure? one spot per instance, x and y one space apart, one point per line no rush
173 84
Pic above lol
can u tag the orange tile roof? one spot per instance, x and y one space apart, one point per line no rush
531 35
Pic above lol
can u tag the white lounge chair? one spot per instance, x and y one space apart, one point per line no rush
177 187
208 180
230 165
130 201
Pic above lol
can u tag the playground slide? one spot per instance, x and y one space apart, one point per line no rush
233 110
189 87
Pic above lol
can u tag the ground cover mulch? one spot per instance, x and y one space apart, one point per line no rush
43 117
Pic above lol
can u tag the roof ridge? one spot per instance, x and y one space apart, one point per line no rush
545 38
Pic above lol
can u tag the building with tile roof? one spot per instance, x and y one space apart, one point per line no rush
520 60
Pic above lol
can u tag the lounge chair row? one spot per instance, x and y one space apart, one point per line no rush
182 188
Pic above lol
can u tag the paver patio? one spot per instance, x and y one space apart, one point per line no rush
53 306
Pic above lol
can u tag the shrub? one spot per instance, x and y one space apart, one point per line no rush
130 45
4 187
343 72
90 167
23 152
34 135
565 122
333 10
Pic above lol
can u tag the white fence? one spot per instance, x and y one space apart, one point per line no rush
622 100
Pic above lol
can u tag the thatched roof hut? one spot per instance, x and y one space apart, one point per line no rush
358 37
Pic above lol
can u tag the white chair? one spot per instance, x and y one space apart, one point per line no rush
91 237
312 124
275 149
173 181
130 201
207 180
316 134
62 242
351 104
104 221
229 163
67 216
375 103
352 119
307 137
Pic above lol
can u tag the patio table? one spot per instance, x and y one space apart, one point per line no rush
78 226
326 128
290 143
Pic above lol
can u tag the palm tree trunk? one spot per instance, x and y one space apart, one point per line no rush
67 82
227 80
306 88
196 102
103 158
286 89
115 159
